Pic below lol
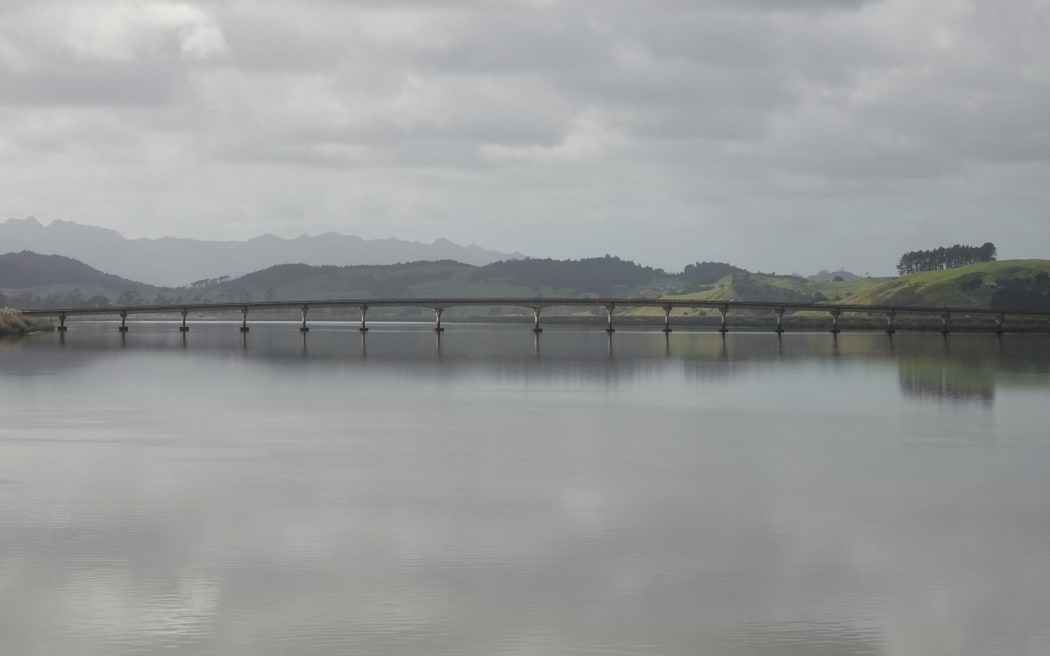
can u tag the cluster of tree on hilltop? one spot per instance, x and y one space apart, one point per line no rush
945 258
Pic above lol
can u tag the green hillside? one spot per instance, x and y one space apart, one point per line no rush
972 286
789 289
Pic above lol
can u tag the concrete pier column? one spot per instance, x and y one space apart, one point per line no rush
303 328
62 322
609 312
184 328
999 324
835 321
244 319
123 327
364 326
890 316
667 318
724 310
536 320
945 329
437 320
780 321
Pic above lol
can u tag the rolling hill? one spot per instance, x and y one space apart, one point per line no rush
973 286
29 280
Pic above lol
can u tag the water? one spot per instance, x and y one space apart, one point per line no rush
490 493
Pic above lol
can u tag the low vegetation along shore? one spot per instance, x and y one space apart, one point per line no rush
13 322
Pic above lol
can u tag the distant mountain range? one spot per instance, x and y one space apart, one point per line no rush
171 261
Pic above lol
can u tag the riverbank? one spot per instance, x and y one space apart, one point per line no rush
13 322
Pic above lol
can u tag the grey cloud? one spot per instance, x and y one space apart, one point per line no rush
536 126
99 86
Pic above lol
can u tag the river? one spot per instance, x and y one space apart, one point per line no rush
493 492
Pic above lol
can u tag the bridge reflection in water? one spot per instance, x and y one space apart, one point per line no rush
538 305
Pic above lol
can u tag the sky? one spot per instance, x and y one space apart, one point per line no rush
785 136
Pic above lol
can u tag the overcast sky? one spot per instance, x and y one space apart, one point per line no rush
781 135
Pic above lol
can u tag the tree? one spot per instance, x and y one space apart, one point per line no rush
945 258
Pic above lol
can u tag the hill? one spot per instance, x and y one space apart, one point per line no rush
1003 284
606 276
746 286
30 280
171 261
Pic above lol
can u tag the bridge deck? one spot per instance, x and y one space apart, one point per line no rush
530 303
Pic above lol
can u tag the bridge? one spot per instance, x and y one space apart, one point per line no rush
537 305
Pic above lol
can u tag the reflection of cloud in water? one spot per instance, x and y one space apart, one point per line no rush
112 606
489 502
804 639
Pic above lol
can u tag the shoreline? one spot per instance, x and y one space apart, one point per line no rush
13 322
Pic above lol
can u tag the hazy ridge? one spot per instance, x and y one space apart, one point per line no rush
175 261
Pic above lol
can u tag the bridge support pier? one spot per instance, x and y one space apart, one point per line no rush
667 318
184 328
123 327
724 310
303 328
945 329
244 319
999 324
437 320
364 326
536 321
890 316
835 321
609 312
62 323
780 321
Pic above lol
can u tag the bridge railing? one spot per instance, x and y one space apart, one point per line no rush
537 305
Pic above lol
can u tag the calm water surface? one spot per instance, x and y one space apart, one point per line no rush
490 493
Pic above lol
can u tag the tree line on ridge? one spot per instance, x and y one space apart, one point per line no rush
941 258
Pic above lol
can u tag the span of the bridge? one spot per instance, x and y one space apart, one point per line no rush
537 305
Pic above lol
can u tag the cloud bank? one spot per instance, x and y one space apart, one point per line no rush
780 136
